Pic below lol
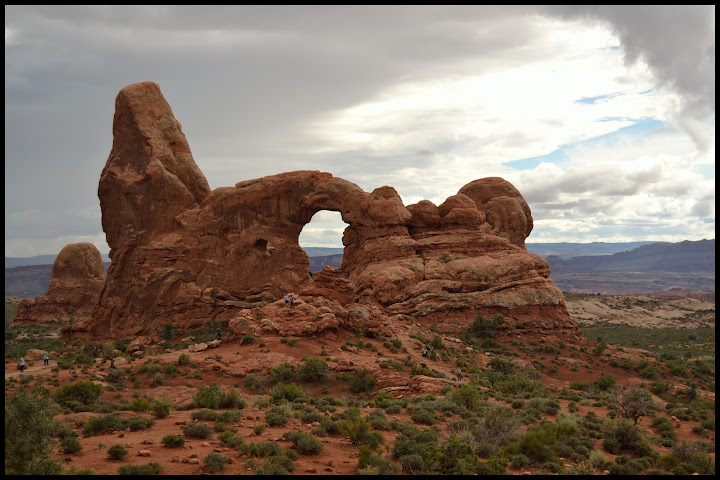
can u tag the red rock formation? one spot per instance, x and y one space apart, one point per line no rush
77 278
184 255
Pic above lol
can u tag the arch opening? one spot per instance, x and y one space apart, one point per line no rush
321 239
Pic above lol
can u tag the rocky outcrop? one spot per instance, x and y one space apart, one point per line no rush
77 278
185 255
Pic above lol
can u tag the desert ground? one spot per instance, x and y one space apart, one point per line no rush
402 372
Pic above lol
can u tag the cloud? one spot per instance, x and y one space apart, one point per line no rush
677 42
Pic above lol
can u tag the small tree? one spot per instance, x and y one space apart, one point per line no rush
631 402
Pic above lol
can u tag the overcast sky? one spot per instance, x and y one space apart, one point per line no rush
603 117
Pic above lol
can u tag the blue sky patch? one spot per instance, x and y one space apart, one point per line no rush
594 100
641 127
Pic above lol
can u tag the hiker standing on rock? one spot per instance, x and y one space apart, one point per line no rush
292 301
46 358
219 334
22 365
459 374
286 300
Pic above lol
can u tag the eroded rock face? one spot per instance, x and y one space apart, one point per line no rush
76 280
185 255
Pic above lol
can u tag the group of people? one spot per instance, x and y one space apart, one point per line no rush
45 357
290 300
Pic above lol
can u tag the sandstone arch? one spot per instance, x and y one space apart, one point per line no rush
182 254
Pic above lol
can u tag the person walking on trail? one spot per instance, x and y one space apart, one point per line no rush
46 359
22 365
459 374
424 352
292 301
286 300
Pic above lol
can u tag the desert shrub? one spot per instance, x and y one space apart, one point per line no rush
160 407
313 370
183 359
254 382
495 465
229 438
28 428
544 405
605 382
466 396
276 417
197 430
83 392
70 445
304 443
214 397
147 469
519 460
173 441
101 424
622 435
424 416
117 452
205 415
283 373
116 376
483 328
361 380
664 427
214 462
137 423
289 392
309 415
139 405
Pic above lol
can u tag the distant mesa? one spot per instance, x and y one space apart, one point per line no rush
76 280
182 254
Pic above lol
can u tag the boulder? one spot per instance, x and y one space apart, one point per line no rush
77 277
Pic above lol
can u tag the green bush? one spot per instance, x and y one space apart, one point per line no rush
160 407
247 340
83 392
197 430
289 392
147 469
173 441
214 397
70 445
361 380
622 435
117 452
424 416
276 417
101 424
304 443
137 423
283 373
206 415
183 359
214 462
466 396
314 370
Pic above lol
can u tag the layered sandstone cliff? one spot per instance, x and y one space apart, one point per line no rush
184 255
76 280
